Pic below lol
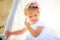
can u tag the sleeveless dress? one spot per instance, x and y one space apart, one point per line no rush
44 35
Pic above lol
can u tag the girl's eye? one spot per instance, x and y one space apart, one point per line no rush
35 15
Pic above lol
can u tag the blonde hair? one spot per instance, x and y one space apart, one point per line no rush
29 8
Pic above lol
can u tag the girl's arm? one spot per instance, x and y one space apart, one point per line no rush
8 33
36 32
33 32
18 32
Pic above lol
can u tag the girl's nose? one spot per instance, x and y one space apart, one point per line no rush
33 18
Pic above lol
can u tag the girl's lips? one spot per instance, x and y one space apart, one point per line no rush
33 20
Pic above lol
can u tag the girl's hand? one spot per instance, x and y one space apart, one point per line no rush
27 24
8 34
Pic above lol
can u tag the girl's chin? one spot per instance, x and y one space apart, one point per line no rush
33 22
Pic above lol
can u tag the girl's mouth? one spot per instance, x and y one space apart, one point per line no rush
34 20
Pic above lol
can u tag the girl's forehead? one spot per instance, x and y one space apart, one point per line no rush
32 12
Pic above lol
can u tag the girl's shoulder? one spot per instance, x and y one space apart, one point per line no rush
40 23
37 24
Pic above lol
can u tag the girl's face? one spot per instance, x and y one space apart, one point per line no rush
33 16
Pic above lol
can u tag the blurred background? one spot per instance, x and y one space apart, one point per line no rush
50 15
5 6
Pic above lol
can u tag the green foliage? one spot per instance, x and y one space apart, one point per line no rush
1 26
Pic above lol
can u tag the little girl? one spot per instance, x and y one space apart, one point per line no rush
36 28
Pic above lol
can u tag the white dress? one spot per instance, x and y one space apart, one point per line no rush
44 35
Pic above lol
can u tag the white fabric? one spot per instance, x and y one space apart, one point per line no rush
45 35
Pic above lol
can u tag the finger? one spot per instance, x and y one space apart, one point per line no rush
25 19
